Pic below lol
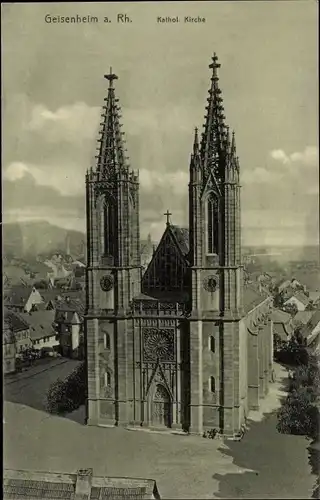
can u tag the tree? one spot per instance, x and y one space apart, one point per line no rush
278 300
299 415
291 353
65 396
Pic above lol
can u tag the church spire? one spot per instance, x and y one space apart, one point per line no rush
111 157
213 137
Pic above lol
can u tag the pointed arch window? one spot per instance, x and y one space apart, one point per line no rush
107 228
212 224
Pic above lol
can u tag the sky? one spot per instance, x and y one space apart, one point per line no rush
53 91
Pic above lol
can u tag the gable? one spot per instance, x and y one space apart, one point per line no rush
167 269
212 185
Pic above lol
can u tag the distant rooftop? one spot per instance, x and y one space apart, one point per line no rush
23 485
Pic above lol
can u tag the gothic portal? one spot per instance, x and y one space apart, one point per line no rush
176 347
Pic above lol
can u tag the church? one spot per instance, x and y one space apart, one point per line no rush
184 345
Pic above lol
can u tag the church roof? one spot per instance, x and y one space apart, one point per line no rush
143 296
181 235
53 486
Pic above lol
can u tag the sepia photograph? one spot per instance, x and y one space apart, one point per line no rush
160 250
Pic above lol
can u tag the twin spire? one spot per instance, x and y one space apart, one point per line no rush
111 157
217 152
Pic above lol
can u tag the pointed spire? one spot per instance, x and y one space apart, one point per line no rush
213 138
111 159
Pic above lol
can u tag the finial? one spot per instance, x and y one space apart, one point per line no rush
214 66
196 141
167 214
233 142
111 76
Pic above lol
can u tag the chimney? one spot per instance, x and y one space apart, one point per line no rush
83 484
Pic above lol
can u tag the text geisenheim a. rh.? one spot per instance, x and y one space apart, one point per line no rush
76 19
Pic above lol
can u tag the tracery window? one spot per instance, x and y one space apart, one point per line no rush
212 224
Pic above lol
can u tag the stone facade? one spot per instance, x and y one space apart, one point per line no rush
186 353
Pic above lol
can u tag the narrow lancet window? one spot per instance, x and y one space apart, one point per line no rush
107 229
212 343
212 384
212 225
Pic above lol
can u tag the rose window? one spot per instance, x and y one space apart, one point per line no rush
158 345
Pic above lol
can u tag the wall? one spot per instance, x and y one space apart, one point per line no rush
9 358
23 340
210 368
243 370
50 341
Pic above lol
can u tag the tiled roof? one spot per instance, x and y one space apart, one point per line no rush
252 297
40 324
311 325
18 295
281 330
279 316
15 321
143 296
67 317
23 488
181 234
71 304
25 485
302 317
314 296
301 297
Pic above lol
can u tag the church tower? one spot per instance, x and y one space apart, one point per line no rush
113 267
216 272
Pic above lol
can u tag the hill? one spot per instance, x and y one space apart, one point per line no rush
40 237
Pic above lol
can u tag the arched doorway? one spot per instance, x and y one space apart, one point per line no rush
161 407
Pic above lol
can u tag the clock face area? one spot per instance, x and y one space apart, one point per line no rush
210 284
106 283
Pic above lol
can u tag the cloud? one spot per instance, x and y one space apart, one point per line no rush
175 182
260 175
73 123
21 192
293 168
308 157
15 171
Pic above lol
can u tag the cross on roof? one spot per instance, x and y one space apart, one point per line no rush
111 76
167 214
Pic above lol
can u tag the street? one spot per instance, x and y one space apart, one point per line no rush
29 387
265 464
